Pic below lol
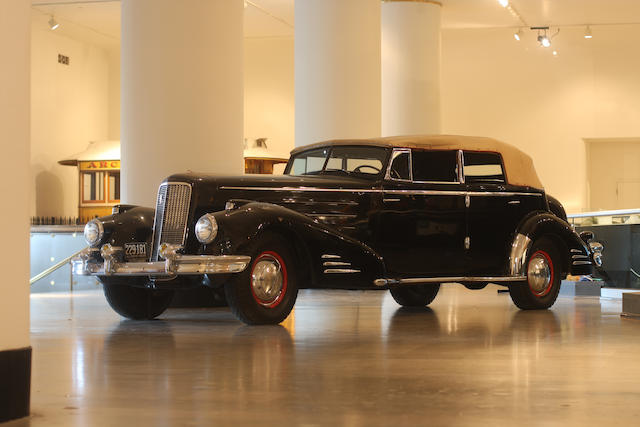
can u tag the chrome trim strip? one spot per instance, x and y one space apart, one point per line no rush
303 189
330 256
340 270
426 192
462 193
575 257
366 190
461 166
503 193
581 262
331 215
576 251
518 257
436 182
387 175
336 264
456 279
322 203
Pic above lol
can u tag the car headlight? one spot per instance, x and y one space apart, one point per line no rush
93 232
206 228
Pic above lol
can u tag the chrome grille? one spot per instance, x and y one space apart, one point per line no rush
172 211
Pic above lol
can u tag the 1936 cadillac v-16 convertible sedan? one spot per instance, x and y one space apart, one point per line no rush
402 213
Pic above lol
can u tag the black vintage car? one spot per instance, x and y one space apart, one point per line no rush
404 214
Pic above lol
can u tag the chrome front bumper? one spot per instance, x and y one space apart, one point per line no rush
174 264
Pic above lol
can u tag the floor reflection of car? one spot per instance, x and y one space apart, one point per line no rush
402 213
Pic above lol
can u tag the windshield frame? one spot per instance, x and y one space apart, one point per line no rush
341 172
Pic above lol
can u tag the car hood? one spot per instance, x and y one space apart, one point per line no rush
271 181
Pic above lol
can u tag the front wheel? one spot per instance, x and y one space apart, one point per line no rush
415 295
267 290
544 275
136 303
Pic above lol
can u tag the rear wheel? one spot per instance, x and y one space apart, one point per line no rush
415 295
135 303
544 274
267 290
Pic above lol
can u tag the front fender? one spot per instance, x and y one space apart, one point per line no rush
576 256
132 225
315 244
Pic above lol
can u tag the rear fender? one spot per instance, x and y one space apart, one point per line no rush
576 256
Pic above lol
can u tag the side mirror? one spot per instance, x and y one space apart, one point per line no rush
586 236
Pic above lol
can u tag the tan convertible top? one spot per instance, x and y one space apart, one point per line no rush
519 168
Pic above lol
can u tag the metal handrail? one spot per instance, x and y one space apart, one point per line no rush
53 268
620 212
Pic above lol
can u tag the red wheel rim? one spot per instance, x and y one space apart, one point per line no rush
268 279
540 273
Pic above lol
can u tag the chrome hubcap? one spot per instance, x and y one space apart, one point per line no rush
539 274
267 280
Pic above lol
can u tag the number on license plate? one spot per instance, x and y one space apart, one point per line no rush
135 249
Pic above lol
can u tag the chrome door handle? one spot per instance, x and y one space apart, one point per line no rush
513 202
390 200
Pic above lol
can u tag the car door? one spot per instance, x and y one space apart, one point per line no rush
422 218
494 211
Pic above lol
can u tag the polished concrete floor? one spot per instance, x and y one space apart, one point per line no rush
344 358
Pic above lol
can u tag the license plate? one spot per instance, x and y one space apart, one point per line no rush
135 250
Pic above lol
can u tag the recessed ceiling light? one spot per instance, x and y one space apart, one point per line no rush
53 24
518 34
503 3
555 53
587 33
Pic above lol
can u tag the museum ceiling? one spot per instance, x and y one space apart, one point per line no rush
99 20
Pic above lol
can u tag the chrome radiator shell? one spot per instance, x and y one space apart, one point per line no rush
172 214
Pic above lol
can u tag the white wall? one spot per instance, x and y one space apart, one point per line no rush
114 95
70 107
545 105
269 92
14 175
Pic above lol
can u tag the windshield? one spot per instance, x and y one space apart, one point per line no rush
362 161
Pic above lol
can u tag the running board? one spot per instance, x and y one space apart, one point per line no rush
458 279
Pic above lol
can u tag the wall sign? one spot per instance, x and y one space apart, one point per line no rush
100 165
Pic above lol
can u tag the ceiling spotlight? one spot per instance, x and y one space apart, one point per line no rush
544 40
503 3
53 24
555 53
587 33
518 35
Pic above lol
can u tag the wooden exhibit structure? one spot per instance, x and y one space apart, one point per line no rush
99 173
98 178
257 158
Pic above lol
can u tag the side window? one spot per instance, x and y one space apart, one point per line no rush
435 166
399 168
483 167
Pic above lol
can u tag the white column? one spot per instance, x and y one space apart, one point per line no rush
15 35
337 69
15 73
182 91
410 67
